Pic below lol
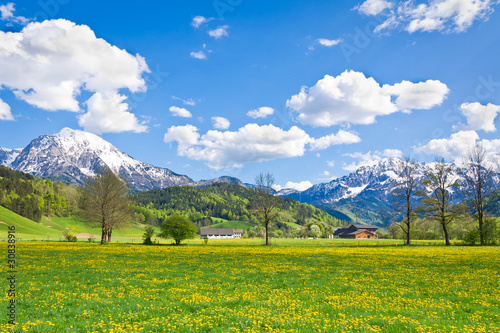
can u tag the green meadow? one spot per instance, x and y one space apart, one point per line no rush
119 287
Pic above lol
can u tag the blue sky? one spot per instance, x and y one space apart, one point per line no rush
306 90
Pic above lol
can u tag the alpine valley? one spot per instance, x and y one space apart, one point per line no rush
72 155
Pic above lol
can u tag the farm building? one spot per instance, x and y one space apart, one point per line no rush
358 231
220 233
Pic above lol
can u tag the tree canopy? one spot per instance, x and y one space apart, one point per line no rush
177 227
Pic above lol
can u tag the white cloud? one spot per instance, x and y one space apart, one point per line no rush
109 115
219 32
353 98
48 64
198 55
329 42
370 158
7 14
435 15
220 123
342 137
199 20
251 143
331 164
454 147
186 136
189 101
302 186
5 113
422 95
180 112
373 7
7 11
261 112
479 117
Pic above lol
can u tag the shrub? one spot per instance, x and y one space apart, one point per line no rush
68 236
472 237
148 234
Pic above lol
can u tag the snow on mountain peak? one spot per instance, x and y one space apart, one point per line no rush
73 155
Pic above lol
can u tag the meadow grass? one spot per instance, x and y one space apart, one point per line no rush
228 286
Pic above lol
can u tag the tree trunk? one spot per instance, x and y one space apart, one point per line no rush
103 235
481 231
446 236
267 238
109 234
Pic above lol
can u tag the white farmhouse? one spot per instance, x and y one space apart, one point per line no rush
220 233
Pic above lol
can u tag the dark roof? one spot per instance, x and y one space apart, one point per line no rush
219 231
341 231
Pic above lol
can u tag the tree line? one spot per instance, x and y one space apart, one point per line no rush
447 195
33 198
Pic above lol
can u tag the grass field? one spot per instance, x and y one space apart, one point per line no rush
53 228
84 287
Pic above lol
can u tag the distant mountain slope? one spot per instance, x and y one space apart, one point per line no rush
7 156
71 156
226 201
364 194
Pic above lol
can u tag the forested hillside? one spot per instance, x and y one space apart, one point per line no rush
222 200
31 197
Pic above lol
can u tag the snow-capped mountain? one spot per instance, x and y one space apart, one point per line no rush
7 156
368 182
71 156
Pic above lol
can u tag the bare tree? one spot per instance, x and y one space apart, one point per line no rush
267 203
404 194
478 184
440 183
106 203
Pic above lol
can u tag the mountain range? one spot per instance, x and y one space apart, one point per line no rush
72 155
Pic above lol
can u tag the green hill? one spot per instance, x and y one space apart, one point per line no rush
25 227
52 228
225 201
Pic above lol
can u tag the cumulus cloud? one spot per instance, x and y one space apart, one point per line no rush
302 186
251 143
422 95
198 55
219 32
435 15
180 112
7 14
370 158
220 123
342 137
329 42
479 117
109 115
373 7
5 113
451 148
261 112
353 98
48 64
199 20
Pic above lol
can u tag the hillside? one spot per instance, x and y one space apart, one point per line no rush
223 200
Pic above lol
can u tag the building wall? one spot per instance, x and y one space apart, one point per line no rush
365 234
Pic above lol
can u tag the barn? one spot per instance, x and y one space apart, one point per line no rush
220 233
